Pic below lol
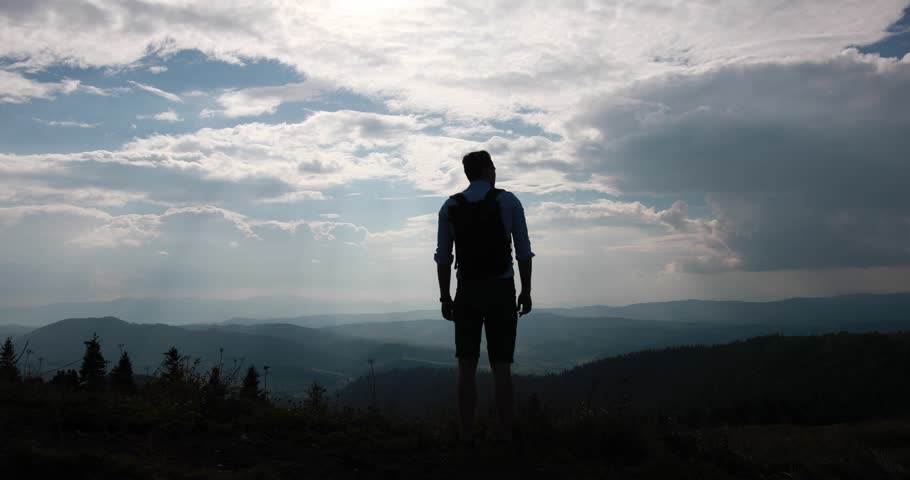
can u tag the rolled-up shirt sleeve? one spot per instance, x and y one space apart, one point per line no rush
444 237
520 232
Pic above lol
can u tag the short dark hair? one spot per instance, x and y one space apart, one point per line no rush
475 163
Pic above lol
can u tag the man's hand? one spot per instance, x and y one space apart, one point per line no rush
524 304
448 309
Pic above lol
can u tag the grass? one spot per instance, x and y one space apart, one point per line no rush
57 434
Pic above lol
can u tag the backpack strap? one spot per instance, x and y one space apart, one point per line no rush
460 200
493 194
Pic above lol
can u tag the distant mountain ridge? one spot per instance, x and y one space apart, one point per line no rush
297 355
178 311
838 310
334 319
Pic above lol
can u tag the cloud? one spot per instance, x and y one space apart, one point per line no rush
297 196
15 88
22 191
514 58
12 215
605 211
156 69
726 138
477 129
415 239
263 100
131 230
797 161
65 123
166 116
157 91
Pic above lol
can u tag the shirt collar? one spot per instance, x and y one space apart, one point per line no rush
478 184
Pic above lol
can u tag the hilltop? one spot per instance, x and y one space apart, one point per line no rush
297 355
636 422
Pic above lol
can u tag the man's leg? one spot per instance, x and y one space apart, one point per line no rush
501 328
468 326
502 377
467 395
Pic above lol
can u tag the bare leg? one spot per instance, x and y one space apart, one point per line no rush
502 376
467 395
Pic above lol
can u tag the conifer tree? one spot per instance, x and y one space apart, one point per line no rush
315 398
9 372
66 378
214 390
250 388
92 371
172 369
122 374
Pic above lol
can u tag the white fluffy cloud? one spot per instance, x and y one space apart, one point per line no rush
15 88
304 160
165 116
464 58
260 100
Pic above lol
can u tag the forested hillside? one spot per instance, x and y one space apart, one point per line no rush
811 379
296 355
770 407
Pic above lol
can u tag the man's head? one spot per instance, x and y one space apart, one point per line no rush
479 166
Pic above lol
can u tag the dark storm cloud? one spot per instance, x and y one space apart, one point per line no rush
804 164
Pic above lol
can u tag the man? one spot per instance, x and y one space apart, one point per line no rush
483 222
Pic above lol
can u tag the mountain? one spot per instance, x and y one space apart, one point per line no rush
327 320
296 355
859 311
177 311
13 331
803 379
548 341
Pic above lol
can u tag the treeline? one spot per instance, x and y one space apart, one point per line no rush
178 378
770 379
625 417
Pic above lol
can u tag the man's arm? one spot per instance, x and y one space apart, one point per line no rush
524 298
444 274
444 242
523 255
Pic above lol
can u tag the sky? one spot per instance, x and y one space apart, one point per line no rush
661 150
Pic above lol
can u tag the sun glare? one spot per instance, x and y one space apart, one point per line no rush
371 6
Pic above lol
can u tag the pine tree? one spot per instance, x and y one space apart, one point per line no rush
8 370
172 369
250 389
122 374
214 390
315 398
66 379
92 371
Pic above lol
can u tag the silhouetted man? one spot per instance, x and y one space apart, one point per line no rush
483 222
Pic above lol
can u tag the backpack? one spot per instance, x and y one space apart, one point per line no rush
483 249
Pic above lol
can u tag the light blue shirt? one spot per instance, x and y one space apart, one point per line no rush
513 220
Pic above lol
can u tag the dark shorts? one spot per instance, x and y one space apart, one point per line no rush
487 305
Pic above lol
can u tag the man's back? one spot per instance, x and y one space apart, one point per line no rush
511 217
481 222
